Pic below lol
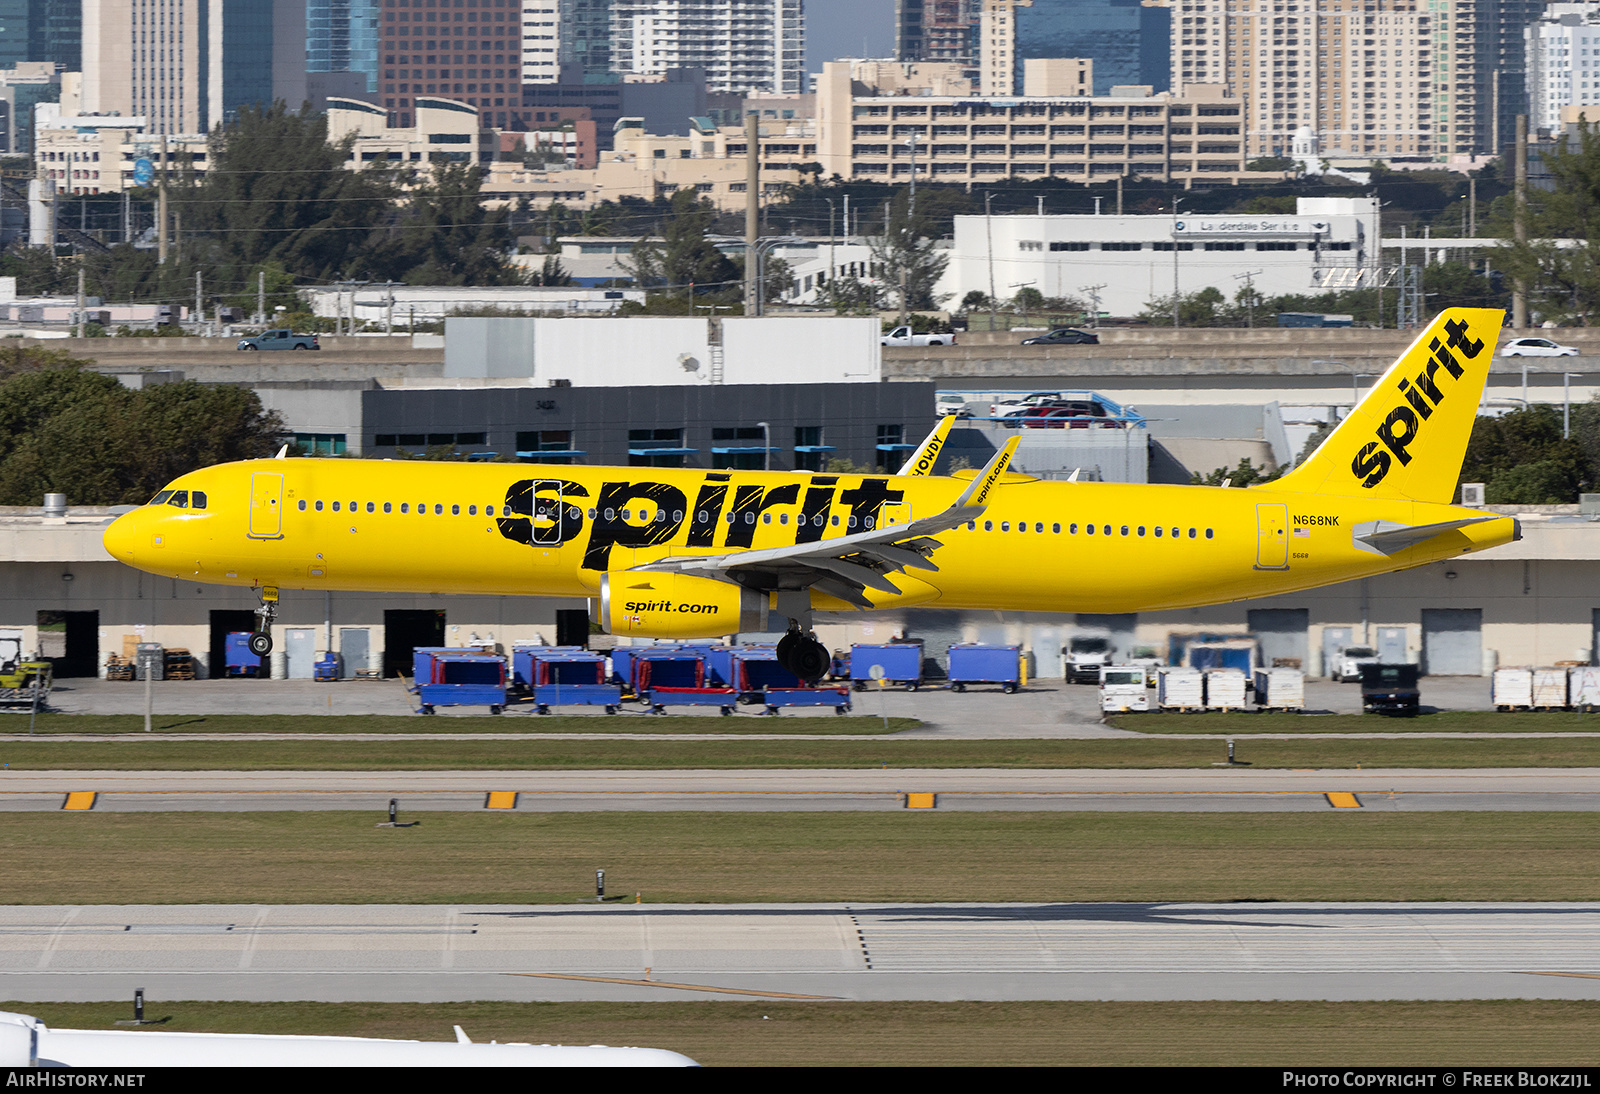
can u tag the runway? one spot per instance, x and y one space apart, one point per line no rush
827 951
1215 790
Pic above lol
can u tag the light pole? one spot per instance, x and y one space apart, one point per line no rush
1566 403
988 230
1175 318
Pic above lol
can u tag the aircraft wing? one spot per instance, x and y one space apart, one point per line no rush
846 566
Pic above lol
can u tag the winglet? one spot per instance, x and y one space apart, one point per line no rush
927 453
461 1036
983 484
283 453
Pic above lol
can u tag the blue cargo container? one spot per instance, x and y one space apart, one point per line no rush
571 679
666 668
240 661
523 658
458 678
979 664
901 663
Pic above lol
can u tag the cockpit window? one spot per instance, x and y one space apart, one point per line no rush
197 499
161 498
180 499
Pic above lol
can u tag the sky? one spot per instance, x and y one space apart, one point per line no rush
836 28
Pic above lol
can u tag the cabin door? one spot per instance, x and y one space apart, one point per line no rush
266 505
1272 536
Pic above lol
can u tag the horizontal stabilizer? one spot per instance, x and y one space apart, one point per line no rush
1385 537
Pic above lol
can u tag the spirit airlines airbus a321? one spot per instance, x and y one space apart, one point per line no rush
682 553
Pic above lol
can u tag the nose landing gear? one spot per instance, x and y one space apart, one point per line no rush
261 639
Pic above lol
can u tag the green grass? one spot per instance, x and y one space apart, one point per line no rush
1505 1032
702 857
157 753
1451 721
313 724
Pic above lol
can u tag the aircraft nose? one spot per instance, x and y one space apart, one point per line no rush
120 538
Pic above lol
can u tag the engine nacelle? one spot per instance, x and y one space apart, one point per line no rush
670 605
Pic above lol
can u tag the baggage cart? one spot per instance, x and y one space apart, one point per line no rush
1280 689
456 678
974 663
721 698
524 655
327 670
836 697
901 663
239 660
1512 689
1583 689
1123 688
1230 653
1180 689
665 669
1225 689
1550 689
573 679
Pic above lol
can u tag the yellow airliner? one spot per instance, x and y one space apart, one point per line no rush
682 553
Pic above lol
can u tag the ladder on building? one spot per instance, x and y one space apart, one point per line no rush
714 341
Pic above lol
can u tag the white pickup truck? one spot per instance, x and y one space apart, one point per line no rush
902 336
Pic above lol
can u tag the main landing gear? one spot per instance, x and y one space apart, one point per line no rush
803 655
261 638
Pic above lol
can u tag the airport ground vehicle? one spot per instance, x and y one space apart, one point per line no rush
1537 347
280 338
1123 687
903 336
687 553
1064 336
1086 655
1347 667
1390 689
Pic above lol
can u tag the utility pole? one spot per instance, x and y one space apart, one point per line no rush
261 297
752 212
80 298
161 208
199 305
988 228
1472 208
1175 317
1519 287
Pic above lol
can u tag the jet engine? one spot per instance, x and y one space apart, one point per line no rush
670 605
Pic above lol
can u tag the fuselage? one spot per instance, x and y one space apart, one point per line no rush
549 530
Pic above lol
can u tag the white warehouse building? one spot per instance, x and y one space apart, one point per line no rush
1130 260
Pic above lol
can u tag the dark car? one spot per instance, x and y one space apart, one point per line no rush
1064 336
1390 689
1064 414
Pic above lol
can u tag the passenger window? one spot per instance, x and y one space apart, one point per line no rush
355 506
179 499
592 513
783 518
836 520
1005 526
1072 529
455 510
1191 533
1141 529
1158 531
1124 529
388 507
1208 533
766 518
702 516
161 497
988 526
489 510
866 523
749 517
611 514
1175 533
1039 527
677 516
972 525
335 507
727 518
438 510
1107 529
1089 528
661 516
319 507
302 505
472 510
852 520
197 499
370 507
405 507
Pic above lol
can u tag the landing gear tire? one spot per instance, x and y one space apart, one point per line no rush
260 643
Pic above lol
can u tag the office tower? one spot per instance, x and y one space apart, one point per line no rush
472 53
1128 40
342 36
744 46
1563 50
937 30
186 65
41 30
1358 73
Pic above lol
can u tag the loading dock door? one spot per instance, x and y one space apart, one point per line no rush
1452 641
300 646
1281 633
403 631
1334 641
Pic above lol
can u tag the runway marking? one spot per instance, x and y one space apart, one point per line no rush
500 799
667 984
1342 799
79 799
1578 975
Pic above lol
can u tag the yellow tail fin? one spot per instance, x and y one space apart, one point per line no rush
1407 438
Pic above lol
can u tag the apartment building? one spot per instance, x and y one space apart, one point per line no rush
743 46
1360 74
864 132
1563 50
937 30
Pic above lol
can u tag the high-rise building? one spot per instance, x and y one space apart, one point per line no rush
41 30
342 36
1563 50
1357 73
186 65
937 30
1127 40
471 53
744 46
